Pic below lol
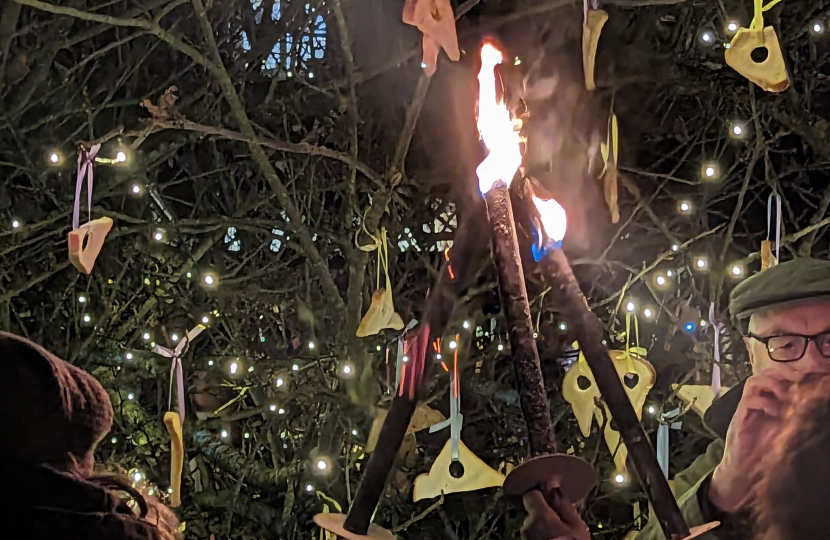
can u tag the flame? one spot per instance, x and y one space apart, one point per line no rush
553 218
495 126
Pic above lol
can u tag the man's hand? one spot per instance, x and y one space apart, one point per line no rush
551 516
756 423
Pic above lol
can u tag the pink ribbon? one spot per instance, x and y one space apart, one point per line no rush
718 327
176 367
85 159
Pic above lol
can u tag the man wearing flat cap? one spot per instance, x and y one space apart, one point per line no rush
784 315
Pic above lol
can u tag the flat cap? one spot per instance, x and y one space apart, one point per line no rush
785 283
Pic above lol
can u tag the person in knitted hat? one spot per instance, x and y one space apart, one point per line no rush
52 417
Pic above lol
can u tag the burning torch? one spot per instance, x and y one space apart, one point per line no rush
495 173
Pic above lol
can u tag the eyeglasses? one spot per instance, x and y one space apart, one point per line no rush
792 347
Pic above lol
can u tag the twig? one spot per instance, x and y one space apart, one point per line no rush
415 519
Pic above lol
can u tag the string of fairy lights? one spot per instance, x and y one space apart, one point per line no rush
709 37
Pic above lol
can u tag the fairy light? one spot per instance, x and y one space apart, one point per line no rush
711 170
114 440
87 318
128 356
146 336
354 432
15 224
224 434
272 408
120 157
732 27
247 434
500 347
684 207
295 367
737 130
130 396
689 327
517 61
405 359
54 158
378 348
619 478
737 270
174 337
423 65
707 37
210 362
233 368
817 27
347 369
630 307
660 280
81 299
309 488
466 325
669 273
137 476
210 279
453 345
158 236
310 74
280 382
135 189
205 319
438 356
648 313
535 335
311 345
700 262
702 323
652 409
250 369
675 247
281 411
563 326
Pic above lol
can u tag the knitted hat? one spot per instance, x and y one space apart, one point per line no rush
51 412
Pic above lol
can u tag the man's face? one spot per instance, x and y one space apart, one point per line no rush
805 318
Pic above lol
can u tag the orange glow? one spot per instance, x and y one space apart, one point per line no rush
553 218
443 365
497 129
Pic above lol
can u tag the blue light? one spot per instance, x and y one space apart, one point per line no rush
542 245
690 327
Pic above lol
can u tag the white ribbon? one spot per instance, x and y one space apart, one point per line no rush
456 419
663 438
777 198
718 327
176 367
85 159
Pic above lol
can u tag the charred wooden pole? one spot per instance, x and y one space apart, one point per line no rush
453 277
529 378
573 304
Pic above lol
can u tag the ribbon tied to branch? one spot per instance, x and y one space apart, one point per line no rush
176 372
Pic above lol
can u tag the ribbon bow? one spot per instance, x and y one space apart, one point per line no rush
718 327
456 419
176 367
85 159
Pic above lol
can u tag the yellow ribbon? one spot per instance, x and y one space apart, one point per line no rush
383 254
757 24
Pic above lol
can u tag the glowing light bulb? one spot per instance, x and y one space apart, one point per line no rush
224 434
347 369
114 440
128 356
310 74
247 434
675 247
563 326
690 327
685 207
158 236
378 348
517 61
311 345
174 337
707 37
732 26
273 408
280 382
205 319
121 157
466 325
619 478
54 157
500 347
209 280
295 367
210 362
660 280
630 307
170 490
535 335
322 465
453 345
354 432
710 170
405 359
818 28
251 369
309 488
130 396
669 273
702 323
15 224
423 65
438 356
737 270
137 476
281 411
648 313
737 130
700 262
233 368
87 318
146 336
652 409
